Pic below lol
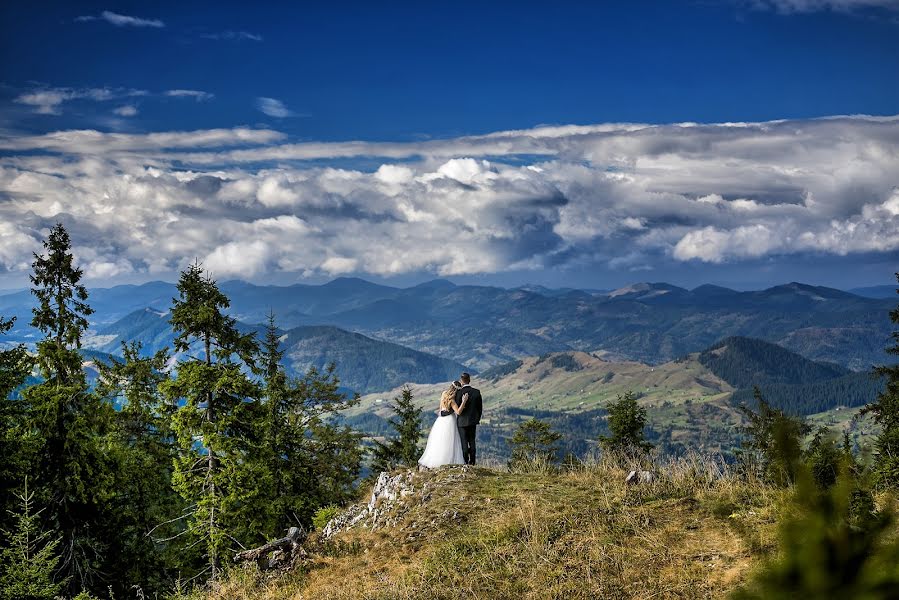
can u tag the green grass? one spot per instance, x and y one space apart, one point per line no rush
694 533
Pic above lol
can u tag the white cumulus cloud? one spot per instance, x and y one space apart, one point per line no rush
247 202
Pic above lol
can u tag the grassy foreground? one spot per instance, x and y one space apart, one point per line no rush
583 533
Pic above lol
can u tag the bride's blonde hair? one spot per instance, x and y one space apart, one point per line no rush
446 399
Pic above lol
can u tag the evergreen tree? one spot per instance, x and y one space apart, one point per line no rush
626 422
29 557
886 414
772 441
144 448
403 449
832 544
824 457
313 462
15 364
332 451
282 444
218 470
62 309
65 422
533 443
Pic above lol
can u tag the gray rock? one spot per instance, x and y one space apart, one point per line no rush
386 497
635 477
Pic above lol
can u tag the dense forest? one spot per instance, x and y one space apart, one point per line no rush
153 473
744 362
790 382
852 390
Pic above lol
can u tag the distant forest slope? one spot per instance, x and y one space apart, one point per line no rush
364 364
744 362
852 390
787 380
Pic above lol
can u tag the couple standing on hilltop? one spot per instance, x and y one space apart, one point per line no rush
452 438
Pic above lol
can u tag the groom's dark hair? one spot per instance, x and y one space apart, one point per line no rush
465 378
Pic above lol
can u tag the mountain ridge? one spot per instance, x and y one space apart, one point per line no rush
363 364
647 322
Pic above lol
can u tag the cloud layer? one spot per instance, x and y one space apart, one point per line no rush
249 203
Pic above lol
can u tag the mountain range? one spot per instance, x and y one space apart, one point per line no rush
452 327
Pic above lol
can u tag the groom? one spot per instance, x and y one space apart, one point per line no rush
469 418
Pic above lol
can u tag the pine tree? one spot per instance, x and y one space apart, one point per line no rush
772 441
331 452
313 461
403 449
886 414
832 543
66 422
534 443
62 309
144 447
627 419
29 557
824 457
15 365
217 471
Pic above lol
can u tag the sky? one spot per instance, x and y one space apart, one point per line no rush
742 143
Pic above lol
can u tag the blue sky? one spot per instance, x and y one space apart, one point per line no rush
218 130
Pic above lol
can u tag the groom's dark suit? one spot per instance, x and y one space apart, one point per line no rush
468 420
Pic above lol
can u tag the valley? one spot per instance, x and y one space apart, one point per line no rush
690 356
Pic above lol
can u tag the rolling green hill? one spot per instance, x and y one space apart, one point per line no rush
691 402
745 362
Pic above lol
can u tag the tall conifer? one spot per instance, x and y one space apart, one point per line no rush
313 461
15 364
402 449
216 471
68 422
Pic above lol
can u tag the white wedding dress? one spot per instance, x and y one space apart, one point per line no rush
444 445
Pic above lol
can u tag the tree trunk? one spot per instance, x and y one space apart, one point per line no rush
210 473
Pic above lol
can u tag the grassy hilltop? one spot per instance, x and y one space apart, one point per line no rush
695 533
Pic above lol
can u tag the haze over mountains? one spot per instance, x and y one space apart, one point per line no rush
650 322
437 328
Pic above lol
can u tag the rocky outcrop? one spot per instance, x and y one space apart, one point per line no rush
393 496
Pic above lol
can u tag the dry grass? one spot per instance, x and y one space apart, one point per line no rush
582 533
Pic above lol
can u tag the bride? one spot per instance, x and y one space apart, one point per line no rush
444 445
